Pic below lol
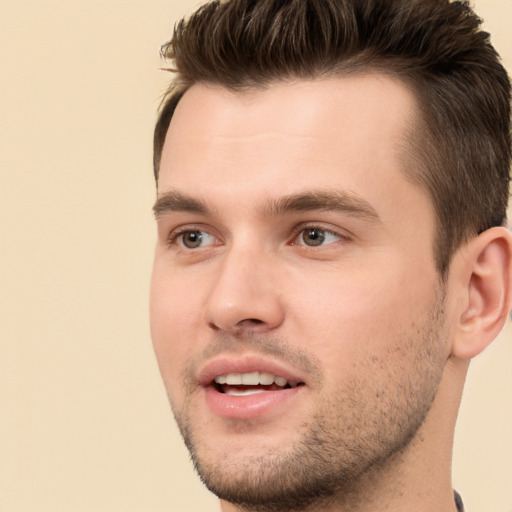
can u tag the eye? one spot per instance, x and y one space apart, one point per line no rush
193 239
315 236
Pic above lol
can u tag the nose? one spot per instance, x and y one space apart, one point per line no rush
245 295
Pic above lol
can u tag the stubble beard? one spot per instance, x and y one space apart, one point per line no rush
350 440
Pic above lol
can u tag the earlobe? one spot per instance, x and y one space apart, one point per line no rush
487 273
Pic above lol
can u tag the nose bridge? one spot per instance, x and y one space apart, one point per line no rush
245 292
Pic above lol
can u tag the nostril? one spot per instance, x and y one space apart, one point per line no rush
249 321
246 323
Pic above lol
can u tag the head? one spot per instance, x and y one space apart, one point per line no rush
332 178
459 146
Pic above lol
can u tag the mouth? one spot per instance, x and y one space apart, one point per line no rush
252 383
248 387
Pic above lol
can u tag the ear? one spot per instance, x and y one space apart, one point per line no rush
484 269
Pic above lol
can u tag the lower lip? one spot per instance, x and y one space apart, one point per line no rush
246 407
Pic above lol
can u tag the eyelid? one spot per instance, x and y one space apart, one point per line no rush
175 234
343 234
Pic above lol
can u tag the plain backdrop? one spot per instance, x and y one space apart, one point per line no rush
84 420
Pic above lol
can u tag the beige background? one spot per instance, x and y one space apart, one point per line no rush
84 421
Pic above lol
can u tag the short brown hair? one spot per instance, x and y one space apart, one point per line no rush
460 148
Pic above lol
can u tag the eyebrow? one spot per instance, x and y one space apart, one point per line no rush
338 201
343 202
174 201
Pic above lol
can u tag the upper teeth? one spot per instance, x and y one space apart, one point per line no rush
250 379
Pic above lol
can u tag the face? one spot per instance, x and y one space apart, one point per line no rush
296 312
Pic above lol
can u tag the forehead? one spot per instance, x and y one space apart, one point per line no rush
341 114
344 133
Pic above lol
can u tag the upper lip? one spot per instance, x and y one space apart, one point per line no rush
226 364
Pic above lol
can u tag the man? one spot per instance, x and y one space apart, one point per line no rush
332 180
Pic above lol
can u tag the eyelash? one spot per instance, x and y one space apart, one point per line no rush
309 227
174 236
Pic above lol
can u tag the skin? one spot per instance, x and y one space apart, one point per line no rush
362 320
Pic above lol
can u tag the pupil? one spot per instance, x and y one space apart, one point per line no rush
192 239
313 236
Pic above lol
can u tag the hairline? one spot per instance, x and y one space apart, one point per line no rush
415 165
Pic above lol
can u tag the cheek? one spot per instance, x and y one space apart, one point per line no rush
360 316
173 324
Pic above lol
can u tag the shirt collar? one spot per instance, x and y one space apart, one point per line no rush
458 502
